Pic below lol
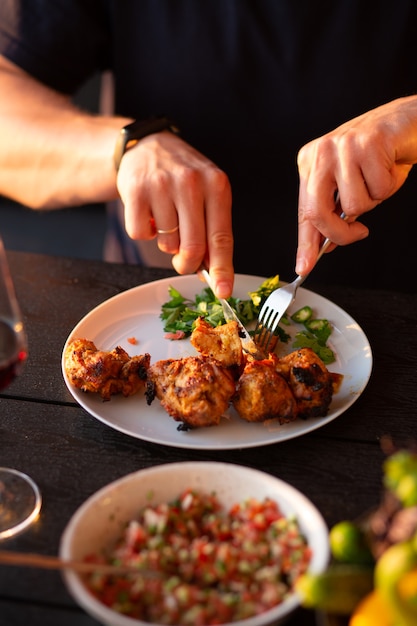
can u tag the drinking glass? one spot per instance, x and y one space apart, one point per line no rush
20 499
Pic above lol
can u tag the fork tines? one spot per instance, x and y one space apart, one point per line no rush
264 332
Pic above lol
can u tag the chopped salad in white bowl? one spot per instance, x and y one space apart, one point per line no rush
208 543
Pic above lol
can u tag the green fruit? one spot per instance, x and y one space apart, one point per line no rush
399 560
398 465
337 590
348 544
406 490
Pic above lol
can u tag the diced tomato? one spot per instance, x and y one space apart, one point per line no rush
213 567
179 334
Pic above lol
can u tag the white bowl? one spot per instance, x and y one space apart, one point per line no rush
101 519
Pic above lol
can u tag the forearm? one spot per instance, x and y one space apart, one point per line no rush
54 155
51 153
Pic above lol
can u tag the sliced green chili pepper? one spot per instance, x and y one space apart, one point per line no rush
302 315
320 328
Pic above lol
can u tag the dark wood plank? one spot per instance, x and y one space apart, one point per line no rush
20 613
33 614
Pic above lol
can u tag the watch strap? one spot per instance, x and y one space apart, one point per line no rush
129 135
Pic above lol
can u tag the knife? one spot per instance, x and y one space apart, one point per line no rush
248 344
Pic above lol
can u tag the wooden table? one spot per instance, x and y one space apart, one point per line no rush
70 454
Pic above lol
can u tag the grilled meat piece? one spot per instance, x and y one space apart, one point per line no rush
309 380
263 394
193 390
221 344
104 372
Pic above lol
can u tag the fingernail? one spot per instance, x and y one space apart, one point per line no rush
300 267
223 289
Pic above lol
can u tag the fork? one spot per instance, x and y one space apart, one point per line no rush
278 302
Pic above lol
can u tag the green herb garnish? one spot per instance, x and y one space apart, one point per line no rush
315 337
179 314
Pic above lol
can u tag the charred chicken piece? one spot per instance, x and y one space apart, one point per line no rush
193 390
104 372
221 343
309 380
262 394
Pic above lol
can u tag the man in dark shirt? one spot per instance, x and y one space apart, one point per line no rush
247 82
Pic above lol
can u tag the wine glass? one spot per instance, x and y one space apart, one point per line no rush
20 499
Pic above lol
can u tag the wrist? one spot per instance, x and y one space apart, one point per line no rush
130 134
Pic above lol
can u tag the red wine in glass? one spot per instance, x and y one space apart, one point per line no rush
20 499
12 354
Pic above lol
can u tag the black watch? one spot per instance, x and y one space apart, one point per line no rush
129 135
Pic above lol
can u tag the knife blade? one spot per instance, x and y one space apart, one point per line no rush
248 344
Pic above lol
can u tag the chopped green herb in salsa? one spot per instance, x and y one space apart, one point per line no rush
211 566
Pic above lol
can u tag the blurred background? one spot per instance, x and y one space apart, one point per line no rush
75 232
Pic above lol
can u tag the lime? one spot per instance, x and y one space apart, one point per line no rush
406 490
337 590
395 579
348 544
398 465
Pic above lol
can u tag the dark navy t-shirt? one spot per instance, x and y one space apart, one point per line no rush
248 82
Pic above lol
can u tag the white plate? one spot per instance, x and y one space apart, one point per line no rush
136 313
